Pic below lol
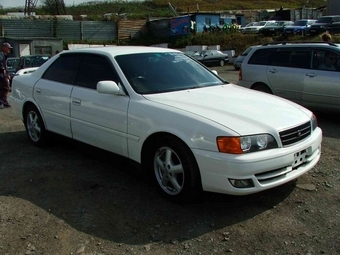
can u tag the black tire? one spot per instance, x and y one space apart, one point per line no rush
35 128
174 169
221 62
303 32
263 88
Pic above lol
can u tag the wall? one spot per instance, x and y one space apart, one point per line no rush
65 29
333 7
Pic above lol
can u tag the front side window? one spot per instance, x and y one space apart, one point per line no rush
326 60
63 69
95 68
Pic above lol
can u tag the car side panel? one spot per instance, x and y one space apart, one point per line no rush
101 115
54 101
286 82
322 89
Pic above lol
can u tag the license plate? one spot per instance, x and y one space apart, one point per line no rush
300 158
313 30
288 32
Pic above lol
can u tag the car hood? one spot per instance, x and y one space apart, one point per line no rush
253 27
243 110
319 24
290 27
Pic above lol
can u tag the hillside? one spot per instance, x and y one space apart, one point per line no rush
161 7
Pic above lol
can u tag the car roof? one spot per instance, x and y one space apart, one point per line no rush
120 50
299 44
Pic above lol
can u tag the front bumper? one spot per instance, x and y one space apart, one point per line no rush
266 169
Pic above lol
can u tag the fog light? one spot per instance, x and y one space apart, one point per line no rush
246 183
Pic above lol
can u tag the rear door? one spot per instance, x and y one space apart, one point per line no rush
99 119
286 72
53 93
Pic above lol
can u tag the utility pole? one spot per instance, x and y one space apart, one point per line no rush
30 7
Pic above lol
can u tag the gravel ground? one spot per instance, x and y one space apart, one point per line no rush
70 198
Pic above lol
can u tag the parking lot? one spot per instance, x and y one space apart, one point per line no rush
70 198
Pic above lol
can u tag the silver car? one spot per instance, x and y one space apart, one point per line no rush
239 59
306 73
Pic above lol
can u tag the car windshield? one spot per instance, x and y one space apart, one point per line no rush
300 23
261 23
150 73
324 20
245 53
12 62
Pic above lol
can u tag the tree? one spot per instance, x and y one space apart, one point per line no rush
54 7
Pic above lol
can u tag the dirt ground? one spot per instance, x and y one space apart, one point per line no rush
70 198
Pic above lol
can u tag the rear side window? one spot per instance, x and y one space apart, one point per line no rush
64 69
286 57
261 57
291 57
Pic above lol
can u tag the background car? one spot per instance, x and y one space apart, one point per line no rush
305 73
241 29
275 28
255 28
12 65
320 25
27 70
32 61
333 28
239 59
211 57
300 27
188 129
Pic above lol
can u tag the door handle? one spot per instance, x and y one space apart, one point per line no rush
76 101
38 91
311 75
273 71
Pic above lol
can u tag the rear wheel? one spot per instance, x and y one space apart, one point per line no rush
174 169
35 128
262 88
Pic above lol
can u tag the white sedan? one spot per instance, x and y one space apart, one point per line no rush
190 130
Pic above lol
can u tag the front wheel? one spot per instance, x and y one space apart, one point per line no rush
221 62
174 169
35 128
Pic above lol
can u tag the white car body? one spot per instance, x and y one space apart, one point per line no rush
254 29
124 121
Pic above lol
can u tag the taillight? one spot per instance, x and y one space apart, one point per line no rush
240 75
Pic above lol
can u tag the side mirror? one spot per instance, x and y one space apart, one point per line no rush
109 87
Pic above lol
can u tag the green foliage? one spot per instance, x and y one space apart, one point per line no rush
160 8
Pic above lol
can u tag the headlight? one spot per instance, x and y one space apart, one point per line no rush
314 122
245 144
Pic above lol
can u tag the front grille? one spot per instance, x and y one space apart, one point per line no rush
295 135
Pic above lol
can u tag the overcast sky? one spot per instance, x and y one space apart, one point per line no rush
21 3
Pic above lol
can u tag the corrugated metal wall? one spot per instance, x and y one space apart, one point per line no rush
64 29
26 28
87 30
131 28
